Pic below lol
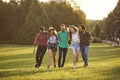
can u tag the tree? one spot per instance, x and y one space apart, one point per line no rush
20 20
112 23
28 31
97 31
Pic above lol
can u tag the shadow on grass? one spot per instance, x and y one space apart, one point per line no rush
103 53
65 79
105 58
25 72
112 74
22 72
3 46
17 61
17 56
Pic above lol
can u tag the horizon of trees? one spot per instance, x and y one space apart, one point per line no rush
108 28
20 19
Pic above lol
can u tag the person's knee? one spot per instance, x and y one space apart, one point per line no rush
50 55
75 56
53 57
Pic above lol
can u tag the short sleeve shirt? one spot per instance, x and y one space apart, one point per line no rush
63 39
84 38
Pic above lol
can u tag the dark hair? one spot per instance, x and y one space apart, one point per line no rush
41 28
83 26
52 30
72 26
62 25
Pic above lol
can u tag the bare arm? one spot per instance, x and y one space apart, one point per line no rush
35 44
34 50
91 38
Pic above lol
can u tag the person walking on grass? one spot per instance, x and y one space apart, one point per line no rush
75 43
63 45
85 39
41 43
52 46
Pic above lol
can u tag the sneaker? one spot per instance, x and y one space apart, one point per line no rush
55 66
74 66
48 66
36 66
85 65
62 65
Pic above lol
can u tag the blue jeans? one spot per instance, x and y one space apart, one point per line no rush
84 52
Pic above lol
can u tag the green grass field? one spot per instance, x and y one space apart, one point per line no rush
17 63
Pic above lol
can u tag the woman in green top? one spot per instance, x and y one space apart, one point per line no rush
63 45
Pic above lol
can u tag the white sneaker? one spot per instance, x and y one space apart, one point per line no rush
74 66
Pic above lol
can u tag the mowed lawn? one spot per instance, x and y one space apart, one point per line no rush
17 63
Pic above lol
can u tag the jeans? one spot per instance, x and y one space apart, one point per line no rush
84 52
41 50
62 53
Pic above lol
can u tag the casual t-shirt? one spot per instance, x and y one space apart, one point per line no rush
84 38
41 38
63 39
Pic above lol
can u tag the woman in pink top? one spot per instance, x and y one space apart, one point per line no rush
41 43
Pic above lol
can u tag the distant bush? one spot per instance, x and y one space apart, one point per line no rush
97 40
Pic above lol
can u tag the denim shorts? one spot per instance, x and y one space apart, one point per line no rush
75 46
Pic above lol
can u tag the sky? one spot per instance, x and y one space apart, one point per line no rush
95 9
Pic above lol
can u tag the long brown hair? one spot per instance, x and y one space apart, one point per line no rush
53 31
70 33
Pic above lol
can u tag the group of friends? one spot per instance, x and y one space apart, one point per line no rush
78 37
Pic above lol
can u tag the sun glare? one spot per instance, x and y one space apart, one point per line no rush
97 9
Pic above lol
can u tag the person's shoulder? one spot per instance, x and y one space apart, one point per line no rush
46 32
38 33
87 32
66 32
77 32
59 32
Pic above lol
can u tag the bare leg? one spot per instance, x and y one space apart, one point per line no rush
74 59
49 57
54 58
77 55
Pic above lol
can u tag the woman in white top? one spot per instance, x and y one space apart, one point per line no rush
75 43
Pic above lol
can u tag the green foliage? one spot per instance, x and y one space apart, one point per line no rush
91 25
20 21
97 31
112 23
97 40
108 27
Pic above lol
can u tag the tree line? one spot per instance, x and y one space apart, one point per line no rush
20 20
108 28
112 23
